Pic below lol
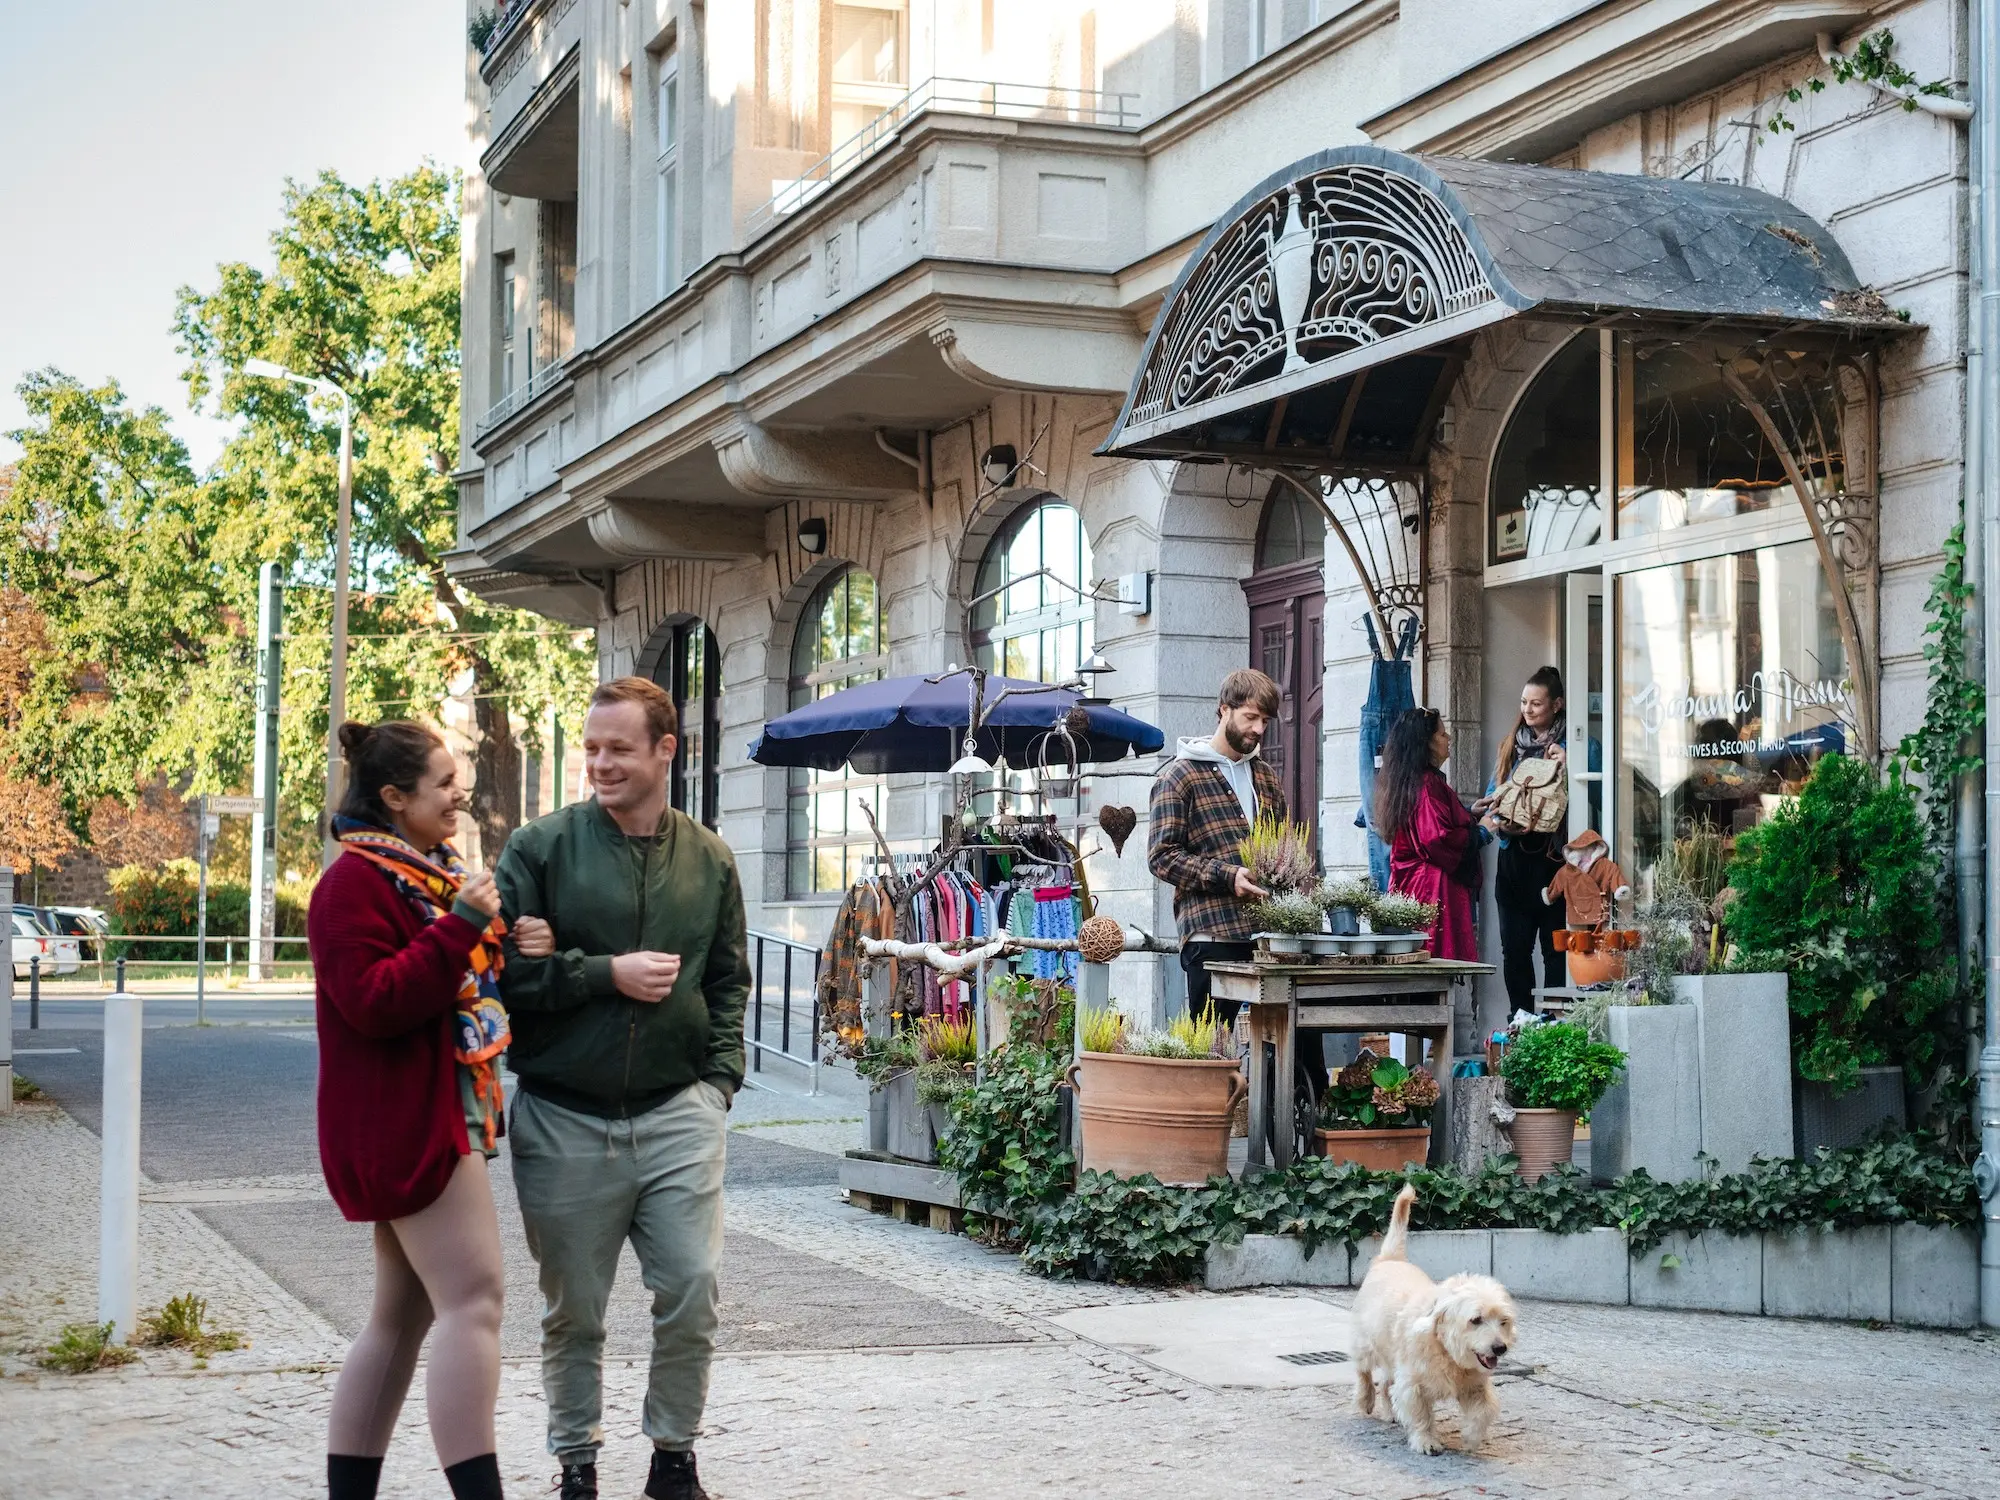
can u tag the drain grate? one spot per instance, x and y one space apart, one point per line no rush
1316 1357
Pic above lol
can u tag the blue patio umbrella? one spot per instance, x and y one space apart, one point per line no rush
918 724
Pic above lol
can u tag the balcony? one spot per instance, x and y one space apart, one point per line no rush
964 96
530 68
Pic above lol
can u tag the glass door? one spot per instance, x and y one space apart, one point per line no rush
1586 658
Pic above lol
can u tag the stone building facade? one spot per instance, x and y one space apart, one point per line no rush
793 326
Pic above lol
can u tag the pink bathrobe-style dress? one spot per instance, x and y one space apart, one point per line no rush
1424 860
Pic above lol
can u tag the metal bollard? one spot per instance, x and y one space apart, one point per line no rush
35 993
121 977
118 1194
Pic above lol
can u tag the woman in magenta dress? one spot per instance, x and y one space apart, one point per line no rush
1433 843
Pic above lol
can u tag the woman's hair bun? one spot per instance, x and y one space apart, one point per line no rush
354 737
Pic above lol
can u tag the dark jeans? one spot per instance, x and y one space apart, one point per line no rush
1526 922
1196 955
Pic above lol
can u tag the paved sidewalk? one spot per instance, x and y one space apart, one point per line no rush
1615 1402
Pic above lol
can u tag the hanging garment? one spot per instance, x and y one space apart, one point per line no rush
1055 917
1390 692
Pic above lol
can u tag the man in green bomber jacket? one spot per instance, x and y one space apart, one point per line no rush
628 1044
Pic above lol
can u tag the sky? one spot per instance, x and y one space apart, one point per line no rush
144 143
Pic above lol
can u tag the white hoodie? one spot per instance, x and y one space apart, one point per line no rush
1242 780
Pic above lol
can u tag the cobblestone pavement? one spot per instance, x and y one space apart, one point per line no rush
1614 1402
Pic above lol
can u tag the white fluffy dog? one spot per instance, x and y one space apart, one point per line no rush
1425 1340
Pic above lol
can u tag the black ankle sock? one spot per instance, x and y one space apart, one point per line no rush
475 1478
352 1478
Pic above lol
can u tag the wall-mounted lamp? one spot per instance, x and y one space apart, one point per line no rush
812 535
1000 464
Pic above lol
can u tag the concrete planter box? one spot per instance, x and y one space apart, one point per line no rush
1823 1118
1588 1267
1743 1043
1274 1260
1651 1117
1715 1273
1934 1275
909 1122
1440 1252
1841 1275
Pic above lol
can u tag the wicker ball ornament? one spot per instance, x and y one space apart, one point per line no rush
1100 940
1076 719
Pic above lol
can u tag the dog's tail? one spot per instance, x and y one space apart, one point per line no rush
1396 1243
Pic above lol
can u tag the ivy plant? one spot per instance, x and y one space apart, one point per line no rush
1872 62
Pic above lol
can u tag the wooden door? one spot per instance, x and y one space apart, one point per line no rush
1288 644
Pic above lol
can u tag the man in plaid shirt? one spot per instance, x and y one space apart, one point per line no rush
1203 803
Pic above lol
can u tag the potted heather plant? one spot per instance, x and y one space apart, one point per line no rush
1554 1073
1355 894
1286 921
947 1053
1278 853
1377 1112
1155 1102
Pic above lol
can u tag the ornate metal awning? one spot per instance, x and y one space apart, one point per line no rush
1322 321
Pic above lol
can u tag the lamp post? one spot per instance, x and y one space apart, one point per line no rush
343 528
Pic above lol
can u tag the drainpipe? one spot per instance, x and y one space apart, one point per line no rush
1983 392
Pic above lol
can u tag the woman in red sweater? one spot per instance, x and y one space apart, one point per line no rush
1433 846
405 947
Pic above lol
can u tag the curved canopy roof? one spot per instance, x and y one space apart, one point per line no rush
1362 260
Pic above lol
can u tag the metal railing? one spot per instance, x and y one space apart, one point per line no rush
960 96
520 396
795 967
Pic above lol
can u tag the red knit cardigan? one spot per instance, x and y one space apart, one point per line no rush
391 1127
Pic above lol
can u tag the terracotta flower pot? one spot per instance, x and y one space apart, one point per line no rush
1595 968
1543 1139
1156 1114
1378 1150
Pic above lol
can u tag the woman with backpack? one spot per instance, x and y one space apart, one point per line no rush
406 951
1529 856
1433 843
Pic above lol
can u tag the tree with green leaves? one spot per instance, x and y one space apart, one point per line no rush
364 292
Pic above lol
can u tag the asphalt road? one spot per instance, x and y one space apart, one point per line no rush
225 1103
69 1012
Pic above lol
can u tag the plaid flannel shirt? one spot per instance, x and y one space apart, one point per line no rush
1196 824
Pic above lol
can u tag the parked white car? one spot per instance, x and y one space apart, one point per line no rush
59 955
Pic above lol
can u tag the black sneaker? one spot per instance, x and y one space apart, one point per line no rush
576 1482
673 1477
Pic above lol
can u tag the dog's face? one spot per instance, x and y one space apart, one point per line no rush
1473 1318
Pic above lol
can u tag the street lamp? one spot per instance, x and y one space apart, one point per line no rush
337 672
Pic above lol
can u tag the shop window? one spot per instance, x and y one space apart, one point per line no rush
839 644
1689 452
1040 627
1548 475
694 678
1732 683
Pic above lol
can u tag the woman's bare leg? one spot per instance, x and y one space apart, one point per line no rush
368 1396
453 1247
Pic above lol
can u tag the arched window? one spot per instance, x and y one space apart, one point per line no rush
1291 530
692 673
839 643
1040 627
1548 475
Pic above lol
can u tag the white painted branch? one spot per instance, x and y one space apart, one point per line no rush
933 955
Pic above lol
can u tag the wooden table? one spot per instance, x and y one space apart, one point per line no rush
1414 999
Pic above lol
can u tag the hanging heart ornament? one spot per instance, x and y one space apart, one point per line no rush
1117 823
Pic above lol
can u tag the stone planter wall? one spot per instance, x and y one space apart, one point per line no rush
1920 1274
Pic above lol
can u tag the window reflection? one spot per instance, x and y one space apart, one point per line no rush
1548 473
838 645
1691 453
1041 627
1732 682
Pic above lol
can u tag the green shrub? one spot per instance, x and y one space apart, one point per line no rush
1555 1065
161 901
1837 889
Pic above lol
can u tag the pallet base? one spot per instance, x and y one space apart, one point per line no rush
909 1192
